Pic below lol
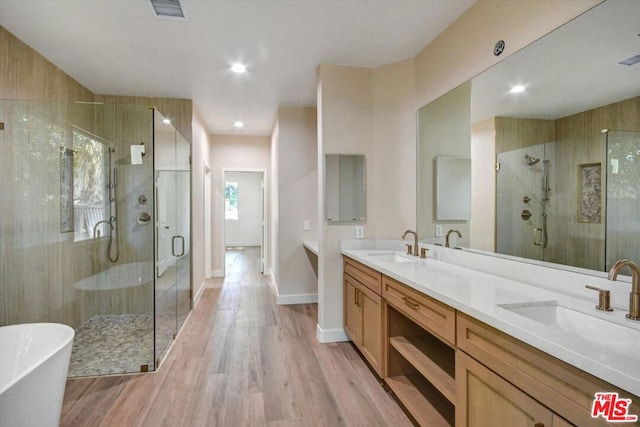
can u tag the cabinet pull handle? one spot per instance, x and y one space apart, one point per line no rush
411 303
359 298
355 295
538 425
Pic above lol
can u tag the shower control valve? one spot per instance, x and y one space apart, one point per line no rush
526 199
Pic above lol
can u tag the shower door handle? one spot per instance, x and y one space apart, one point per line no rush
182 241
173 246
537 242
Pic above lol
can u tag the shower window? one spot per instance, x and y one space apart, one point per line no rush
89 185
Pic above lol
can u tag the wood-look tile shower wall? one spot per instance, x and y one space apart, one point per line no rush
40 264
578 141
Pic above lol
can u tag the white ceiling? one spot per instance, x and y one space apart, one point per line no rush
119 47
573 69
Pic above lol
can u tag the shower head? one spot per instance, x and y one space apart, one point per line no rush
531 160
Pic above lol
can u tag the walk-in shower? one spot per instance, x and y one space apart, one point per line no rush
523 201
91 238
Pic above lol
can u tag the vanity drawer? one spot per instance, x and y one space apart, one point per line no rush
369 277
434 316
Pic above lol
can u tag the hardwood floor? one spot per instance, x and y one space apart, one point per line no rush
241 360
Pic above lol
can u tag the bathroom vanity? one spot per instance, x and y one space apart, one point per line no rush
459 346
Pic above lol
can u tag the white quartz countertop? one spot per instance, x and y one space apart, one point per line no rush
605 344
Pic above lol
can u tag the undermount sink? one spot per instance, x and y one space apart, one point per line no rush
391 257
582 327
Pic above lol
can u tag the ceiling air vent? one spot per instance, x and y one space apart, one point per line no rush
630 61
169 9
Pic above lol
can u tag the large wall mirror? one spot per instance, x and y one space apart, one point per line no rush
555 145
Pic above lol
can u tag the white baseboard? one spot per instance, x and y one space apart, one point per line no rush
198 295
216 273
296 299
290 299
331 335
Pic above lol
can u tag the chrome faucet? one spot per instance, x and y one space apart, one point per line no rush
446 240
634 296
415 241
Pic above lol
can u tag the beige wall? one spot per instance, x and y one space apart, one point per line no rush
200 155
345 126
391 182
295 171
232 152
350 120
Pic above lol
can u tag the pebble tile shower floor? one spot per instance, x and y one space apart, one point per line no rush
112 345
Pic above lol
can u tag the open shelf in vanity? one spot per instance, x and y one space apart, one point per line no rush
420 365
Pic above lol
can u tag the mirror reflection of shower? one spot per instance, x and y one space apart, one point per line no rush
531 160
524 201
546 191
113 250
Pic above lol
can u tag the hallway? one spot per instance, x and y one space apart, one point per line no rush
241 360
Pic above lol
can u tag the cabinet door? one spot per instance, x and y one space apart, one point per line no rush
352 310
371 347
485 399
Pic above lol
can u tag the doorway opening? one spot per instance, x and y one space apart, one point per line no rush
244 211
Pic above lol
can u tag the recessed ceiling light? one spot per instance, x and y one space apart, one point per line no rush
238 124
517 89
238 68
166 121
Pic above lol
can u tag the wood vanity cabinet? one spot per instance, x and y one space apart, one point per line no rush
363 311
485 399
448 368
503 381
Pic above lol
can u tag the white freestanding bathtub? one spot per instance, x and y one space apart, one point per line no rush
34 359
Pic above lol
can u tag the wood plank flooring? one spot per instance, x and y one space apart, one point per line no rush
241 360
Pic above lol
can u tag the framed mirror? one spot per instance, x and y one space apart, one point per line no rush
554 130
345 188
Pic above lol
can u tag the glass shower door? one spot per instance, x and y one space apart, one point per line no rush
520 203
173 232
623 197
166 225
